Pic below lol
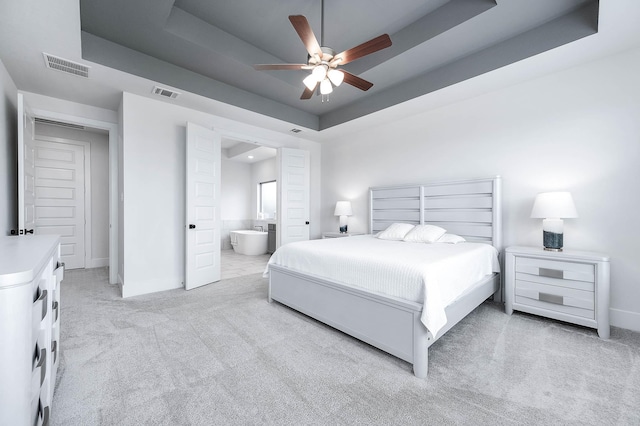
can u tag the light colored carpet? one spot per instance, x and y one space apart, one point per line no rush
223 355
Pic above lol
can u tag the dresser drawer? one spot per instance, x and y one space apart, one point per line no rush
556 269
554 298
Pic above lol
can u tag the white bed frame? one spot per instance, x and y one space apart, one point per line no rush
469 208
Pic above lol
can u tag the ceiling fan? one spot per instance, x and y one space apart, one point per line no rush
323 61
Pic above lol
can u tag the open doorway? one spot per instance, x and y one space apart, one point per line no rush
26 119
246 167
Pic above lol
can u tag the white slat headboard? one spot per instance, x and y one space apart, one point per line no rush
469 208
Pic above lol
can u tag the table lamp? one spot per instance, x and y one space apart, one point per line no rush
553 207
343 209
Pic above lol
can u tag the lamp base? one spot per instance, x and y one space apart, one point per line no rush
552 241
343 229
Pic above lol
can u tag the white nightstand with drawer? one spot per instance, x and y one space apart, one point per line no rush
571 286
340 234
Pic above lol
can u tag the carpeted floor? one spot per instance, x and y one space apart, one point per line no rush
222 355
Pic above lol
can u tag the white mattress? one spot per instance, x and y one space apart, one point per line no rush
431 274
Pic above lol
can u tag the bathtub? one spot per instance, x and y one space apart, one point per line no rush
249 242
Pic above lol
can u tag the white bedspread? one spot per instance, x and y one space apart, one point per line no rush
431 274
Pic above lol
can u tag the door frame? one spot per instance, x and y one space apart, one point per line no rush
88 255
112 129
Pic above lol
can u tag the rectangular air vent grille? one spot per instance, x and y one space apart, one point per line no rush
161 91
294 130
58 123
66 65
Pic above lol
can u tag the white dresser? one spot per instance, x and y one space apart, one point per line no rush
30 274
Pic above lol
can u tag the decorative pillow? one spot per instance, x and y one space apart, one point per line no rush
451 239
395 231
424 234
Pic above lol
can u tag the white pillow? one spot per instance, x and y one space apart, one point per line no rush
395 231
424 234
451 239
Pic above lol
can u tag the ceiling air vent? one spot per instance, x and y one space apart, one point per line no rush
161 91
59 123
65 65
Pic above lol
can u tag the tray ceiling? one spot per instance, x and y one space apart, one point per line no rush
208 47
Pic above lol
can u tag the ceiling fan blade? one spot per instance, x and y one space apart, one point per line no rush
356 81
364 49
263 67
302 27
308 93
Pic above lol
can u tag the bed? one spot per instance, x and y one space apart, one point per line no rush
395 321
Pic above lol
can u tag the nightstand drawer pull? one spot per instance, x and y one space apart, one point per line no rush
551 298
551 273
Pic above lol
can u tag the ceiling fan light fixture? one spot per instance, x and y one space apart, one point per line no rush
319 72
336 77
310 81
325 87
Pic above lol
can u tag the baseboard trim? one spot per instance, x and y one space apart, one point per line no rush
625 319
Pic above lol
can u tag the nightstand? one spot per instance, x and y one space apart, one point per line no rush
340 235
571 286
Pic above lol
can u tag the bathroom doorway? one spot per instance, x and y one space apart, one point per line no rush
245 167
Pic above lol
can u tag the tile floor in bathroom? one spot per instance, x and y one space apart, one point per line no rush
234 265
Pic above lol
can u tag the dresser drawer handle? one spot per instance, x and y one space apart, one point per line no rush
43 298
42 363
551 273
551 298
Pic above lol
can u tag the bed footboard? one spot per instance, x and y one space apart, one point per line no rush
390 324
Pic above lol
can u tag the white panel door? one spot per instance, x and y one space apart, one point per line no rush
293 211
60 197
202 254
26 170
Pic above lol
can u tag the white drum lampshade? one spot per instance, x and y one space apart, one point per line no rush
552 207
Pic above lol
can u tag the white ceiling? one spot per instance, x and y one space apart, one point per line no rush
31 27
246 151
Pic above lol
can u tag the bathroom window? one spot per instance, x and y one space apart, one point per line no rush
267 200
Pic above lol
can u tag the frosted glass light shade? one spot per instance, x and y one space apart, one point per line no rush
319 72
554 205
336 77
310 81
325 87
343 208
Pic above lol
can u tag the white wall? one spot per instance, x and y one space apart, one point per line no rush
8 153
576 130
99 159
153 187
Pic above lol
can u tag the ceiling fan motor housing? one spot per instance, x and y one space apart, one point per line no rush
327 55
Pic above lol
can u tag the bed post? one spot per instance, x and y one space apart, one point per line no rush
420 347
496 238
